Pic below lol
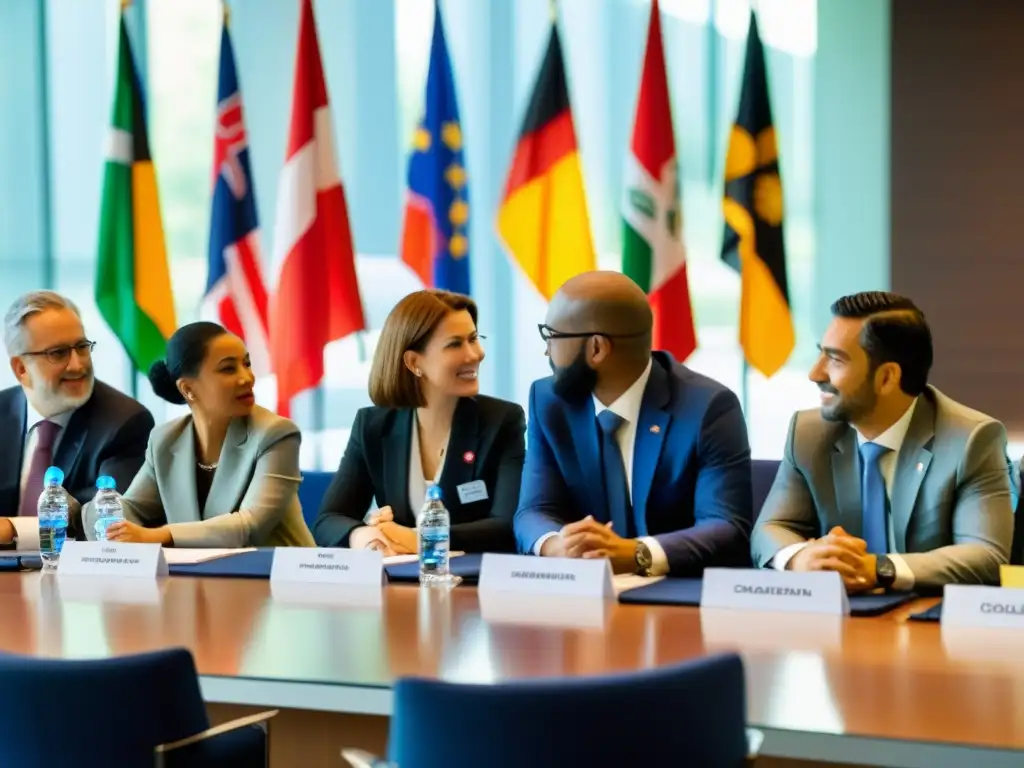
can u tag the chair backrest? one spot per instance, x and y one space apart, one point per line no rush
311 493
763 472
687 714
98 712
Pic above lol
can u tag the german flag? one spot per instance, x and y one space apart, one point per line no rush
754 243
133 283
543 217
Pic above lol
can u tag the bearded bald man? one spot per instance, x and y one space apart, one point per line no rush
631 455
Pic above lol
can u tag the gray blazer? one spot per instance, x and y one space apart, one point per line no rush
950 497
253 500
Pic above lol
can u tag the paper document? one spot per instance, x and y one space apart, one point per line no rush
183 556
399 559
625 581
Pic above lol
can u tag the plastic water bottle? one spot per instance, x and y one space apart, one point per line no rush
53 518
107 505
434 528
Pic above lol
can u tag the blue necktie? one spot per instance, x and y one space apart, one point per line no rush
615 486
873 498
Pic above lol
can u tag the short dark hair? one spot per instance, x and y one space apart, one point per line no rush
186 350
895 331
409 326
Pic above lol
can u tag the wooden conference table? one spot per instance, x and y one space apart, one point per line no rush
865 691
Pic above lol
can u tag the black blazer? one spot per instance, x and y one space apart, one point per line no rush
106 436
486 443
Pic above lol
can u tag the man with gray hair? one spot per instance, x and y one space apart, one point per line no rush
59 415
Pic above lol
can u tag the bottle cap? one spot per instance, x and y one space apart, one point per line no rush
106 483
53 476
434 493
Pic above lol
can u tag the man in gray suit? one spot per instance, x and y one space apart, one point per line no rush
890 483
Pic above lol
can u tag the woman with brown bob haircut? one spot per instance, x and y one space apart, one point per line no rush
428 425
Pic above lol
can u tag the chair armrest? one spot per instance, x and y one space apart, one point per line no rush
755 739
359 758
244 741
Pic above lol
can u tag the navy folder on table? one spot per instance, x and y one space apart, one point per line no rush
467 566
931 614
687 592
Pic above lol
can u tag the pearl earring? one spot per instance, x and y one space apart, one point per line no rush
419 372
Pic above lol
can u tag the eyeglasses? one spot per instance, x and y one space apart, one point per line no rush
547 333
61 355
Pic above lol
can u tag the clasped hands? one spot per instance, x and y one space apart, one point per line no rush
840 552
590 539
381 532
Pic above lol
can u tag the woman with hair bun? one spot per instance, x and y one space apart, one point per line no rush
226 474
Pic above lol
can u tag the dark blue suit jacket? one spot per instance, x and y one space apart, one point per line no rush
691 469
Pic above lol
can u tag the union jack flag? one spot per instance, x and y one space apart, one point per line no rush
236 294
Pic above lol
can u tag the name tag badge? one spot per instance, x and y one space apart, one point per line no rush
107 558
764 589
967 605
474 491
321 565
529 575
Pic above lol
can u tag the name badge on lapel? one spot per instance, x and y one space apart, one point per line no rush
473 491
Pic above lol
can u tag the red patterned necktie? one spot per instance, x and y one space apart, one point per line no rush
42 459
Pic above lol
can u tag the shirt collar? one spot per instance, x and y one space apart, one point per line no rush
33 417
893 437
628 403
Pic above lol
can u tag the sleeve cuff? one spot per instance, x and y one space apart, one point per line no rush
27 531
904 576
784 555
540 542
659 560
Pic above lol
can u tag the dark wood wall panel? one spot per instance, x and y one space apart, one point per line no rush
958 191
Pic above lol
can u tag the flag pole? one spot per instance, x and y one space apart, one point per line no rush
318 425
227 12
553 10
745 388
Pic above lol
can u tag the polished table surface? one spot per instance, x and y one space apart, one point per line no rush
882 678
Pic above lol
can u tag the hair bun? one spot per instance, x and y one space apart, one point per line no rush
164 385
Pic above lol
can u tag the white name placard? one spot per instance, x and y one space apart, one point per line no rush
112 558
321 565
764 589
529 575
967 605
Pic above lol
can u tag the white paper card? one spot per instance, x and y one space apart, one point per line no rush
526 574
765 589
112 558
321 565
967 605
184 556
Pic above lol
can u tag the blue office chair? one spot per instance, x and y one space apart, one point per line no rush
762 475
141 710
686 714
311 493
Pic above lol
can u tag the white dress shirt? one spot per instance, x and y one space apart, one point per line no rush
418 484
892 439
627 407
27 528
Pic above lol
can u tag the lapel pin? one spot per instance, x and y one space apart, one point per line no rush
469 457
920 466
655 429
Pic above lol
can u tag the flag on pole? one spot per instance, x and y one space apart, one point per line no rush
543 217
236 295
133 283
435 235
653 254
753 243
316 300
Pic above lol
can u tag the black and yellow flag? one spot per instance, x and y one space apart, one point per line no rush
754 243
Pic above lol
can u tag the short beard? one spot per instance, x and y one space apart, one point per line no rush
576 381
50 401
853 407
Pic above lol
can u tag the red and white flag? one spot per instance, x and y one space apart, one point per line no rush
317 299
653 253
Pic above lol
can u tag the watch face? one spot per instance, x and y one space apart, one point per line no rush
643 556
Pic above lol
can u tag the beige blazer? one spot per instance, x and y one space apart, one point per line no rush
950 504
253 500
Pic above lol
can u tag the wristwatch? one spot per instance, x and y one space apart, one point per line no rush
644 561
885 571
